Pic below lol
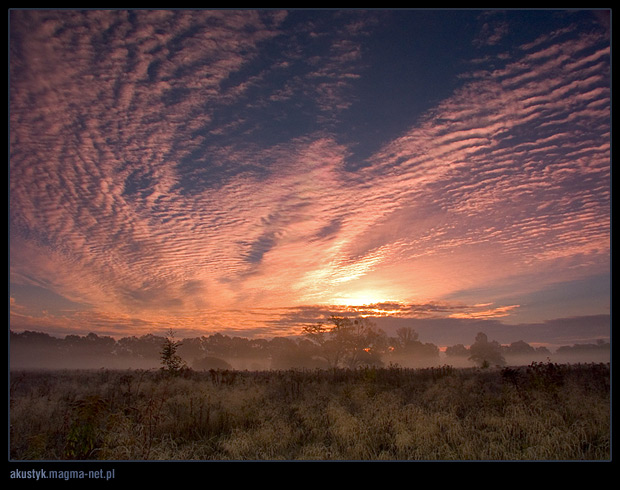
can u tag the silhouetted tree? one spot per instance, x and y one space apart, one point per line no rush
208 362
522 352
286 354
191 348
320 335
409 350
171 361
348 343
145 347
485 353
406 336
519 348
458 350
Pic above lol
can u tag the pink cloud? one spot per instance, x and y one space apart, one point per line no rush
485 187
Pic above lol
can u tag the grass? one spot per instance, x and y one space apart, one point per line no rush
540 412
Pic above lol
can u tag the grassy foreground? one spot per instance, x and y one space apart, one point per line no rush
540 412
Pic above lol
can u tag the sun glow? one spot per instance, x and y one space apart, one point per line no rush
362 298
368 303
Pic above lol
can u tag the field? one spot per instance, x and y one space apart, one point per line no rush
543 411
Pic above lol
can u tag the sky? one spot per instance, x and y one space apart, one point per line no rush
251 171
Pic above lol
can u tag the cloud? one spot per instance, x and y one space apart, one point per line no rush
497 312
181 162
499 147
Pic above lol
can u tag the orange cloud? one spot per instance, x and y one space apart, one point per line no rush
147 180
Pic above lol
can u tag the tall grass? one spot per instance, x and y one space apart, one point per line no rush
542 412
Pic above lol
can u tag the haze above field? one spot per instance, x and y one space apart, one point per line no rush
251 171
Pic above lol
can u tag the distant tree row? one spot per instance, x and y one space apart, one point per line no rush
485 353
339 342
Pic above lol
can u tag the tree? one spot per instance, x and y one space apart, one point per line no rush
486 353
348 343
406 336
208 362
171 361
458 350
321 337
519 348
286 354
409 350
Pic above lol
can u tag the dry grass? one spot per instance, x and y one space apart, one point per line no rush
543 412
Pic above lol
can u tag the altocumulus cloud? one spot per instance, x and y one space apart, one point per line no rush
185 167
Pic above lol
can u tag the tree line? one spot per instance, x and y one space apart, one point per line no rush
338 342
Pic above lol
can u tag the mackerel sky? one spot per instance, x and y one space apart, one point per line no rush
249 171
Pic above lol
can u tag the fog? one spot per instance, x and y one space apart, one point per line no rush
35 350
